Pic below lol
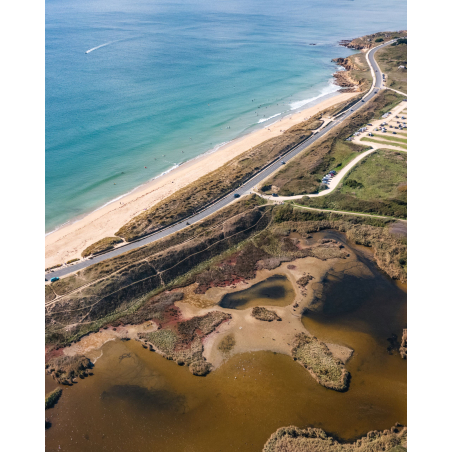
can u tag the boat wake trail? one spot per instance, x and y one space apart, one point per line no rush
98 47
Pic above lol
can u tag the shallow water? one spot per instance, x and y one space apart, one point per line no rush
139 401
178 76
276 290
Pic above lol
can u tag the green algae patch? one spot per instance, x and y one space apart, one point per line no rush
315 356
53 397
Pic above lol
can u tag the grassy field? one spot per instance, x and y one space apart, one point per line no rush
391 138
404 146
303 174
389 59
378 185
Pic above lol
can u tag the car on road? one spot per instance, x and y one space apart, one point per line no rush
275 194
54 279
395 133
363 100
283 163
236 195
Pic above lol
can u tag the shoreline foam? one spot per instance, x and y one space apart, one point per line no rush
70 239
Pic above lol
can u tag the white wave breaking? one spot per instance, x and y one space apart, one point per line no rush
325 91
267 119
98 47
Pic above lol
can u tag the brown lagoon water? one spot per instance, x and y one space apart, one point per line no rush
139 401
276 290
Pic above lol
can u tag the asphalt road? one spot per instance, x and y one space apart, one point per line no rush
244 189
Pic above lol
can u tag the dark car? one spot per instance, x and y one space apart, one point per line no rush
395 133
363 100
55 278
275 194
283 163
236 195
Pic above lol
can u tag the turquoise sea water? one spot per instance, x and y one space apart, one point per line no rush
178 76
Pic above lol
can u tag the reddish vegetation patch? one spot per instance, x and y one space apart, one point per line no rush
291 267
202 288
231 271
52 352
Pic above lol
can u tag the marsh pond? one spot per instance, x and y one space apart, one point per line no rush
139 401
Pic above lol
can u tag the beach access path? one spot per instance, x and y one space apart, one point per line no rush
335 181
246 188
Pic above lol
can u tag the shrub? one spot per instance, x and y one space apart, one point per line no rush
352 183
53 397
379 40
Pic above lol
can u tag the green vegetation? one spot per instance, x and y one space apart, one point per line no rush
294 439
403 146
376 185
264 314
227 344
65 368
55 266
375 39
319 361
391 138
218 183
53 397
390 59
304 173
223 249
183 344
101 245
72 260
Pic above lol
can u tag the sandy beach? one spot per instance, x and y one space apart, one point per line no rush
69 241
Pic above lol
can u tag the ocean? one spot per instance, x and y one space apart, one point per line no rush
148 83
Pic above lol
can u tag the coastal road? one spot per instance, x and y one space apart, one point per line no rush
246 188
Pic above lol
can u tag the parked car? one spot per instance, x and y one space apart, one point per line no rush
275 194
236 195
283 163
395 133
55 278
